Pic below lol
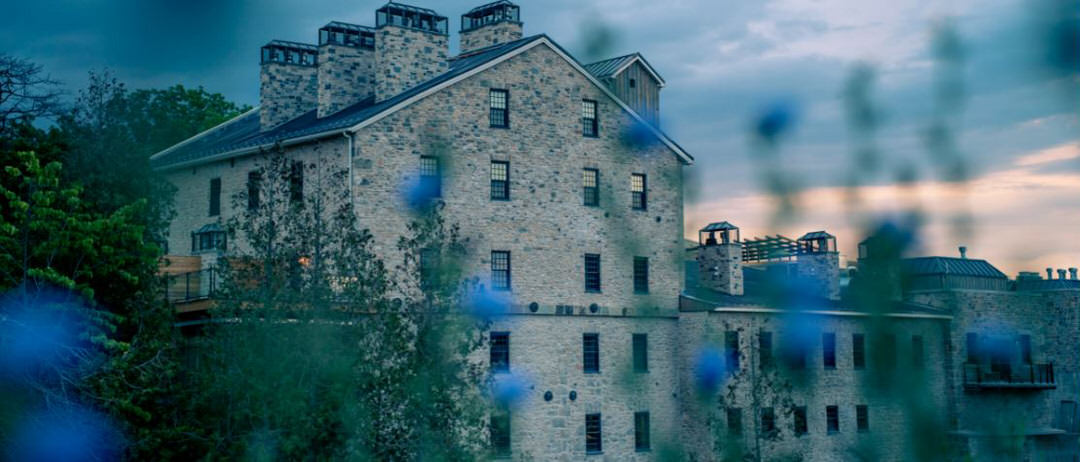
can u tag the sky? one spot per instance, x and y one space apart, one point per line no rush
1016 129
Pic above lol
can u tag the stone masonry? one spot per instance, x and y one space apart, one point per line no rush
405 57
285 92
482 37
346 76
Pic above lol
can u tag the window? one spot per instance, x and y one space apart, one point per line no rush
917 351
832 419
594 443
215 197
429 268
500 434
734 421
590 182
768 421
500 352
765 349
590 345
858 351
1025 349
500 112
638 199
828 350
254 183
731 350
862 418
641 352
205 240
592 272
500 269
633 83
888 351
972 348
589 124
641 275
500 180
641 431
800 420
296 182
430 177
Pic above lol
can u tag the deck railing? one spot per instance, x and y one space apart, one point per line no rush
192 286
1023 376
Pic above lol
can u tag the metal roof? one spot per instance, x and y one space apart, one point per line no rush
242 134
292 45
926 266
489 5
613 66
718 226
816 235
348 26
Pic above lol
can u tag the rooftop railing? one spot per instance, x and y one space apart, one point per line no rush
1009 376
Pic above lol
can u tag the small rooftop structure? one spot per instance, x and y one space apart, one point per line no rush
412 17
769 249
491 13
341 33
718 233
817 242
933 273
285 52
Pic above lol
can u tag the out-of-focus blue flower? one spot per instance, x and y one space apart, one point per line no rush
67 434
487 305
40 332
777 118
709 370
422 192
637 136
510 390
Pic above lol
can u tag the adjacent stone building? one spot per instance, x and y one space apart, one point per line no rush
572 199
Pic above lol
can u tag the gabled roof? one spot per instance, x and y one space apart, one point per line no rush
241 135
718 226
815 235
613 66
929 266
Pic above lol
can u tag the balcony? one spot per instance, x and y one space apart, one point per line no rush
191 291
978 377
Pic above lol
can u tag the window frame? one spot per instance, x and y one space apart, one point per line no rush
215 197
590 194
590 126
430 172
734 421
594 433
828 350
640 352
832 419
500 188
296 182
642 436
641 275
497 437
590 349
862 418
639 200
768 422
765 349
497 283
1025 349
800 424
858 351
499 360
254 190
732 362
495 121
593 274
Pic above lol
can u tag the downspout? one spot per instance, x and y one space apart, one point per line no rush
350 136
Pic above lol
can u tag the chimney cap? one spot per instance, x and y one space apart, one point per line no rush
411 17
491 13
963 251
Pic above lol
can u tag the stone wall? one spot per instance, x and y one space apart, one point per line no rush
821 272
346 76
492 34
285 92
406 57
720 268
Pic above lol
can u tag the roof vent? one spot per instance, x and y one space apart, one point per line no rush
963 251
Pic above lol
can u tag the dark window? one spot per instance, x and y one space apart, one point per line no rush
500 180
592 272
590 346
800 420
590 183
500 434
832 419
888 351
594 443
828 350
641 431
734 421
641 353
633 83
500 110
215 197
589 124
972 348
253 186
500 352
858 351
1025 349
731 350
208 240
768 421
765 349
862 418
429 268
430 176
296 182
917 351
641 275
638 195
500 270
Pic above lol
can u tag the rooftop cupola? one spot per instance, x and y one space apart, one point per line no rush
817 242
288 82
719 258
490 24
411 47
818 264
346 66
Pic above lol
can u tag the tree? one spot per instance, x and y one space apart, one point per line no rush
25 93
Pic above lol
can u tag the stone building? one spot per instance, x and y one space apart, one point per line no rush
572 198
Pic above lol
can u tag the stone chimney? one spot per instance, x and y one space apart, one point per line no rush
818 264
288 81
411 47
1049 274
719 258
1072 273
1061 274
346 66
490 24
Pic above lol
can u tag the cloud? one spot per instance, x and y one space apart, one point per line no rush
1050 155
